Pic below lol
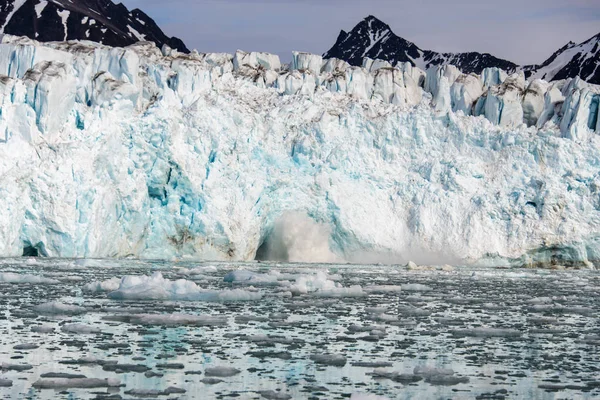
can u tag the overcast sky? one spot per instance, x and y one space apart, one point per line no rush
523 31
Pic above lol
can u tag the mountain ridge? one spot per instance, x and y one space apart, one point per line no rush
100 21
373 38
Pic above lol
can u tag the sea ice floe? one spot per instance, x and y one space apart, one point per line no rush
273 395
221 371
367 396
336 360
109 285
79 329
415 287
58 308
10 277
487 332
323 285
151 393
249 277
79 383
177 319
156 287
382 289
15 367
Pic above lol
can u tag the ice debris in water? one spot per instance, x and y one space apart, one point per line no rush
336 360
321 284
249 277
366 396
156 287
221 371
177 319
79 329
75 383
380 289
273 395
109 285
415 287
58 308
10 277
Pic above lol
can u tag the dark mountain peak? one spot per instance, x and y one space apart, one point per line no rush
375 23
100 21
373 38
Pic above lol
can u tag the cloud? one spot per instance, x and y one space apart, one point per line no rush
524 31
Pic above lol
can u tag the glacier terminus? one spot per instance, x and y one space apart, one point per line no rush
152 153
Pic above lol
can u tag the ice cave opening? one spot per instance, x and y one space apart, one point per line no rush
30 250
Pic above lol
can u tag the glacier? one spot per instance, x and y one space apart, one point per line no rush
151 153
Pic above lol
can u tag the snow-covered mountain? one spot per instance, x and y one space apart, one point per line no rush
572 60
100 21
113 152
374 39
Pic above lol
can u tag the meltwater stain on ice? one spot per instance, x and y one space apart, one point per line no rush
310 331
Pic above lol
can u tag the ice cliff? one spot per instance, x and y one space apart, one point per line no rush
114 152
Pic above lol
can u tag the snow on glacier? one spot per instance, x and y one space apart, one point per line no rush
110 152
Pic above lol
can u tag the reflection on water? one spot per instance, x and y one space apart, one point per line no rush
466 333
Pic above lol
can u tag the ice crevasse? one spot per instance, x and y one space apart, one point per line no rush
145 152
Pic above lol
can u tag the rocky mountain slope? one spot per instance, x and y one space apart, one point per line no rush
100 21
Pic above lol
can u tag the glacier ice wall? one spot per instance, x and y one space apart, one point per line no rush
109 152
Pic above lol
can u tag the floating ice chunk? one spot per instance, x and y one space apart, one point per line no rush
58 308
321 284
352 291
372 364
487 332
42 329
155 392
211 381
335 360
383 289
177 319
203 270
426 371
446 380
415 287
79 329
125 368
413 311
10 277
540 300
109 285
273 395
367 396
15 367
75 383
26 346
156 287
62 375
221 371
245 276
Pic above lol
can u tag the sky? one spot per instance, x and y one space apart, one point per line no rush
522 31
